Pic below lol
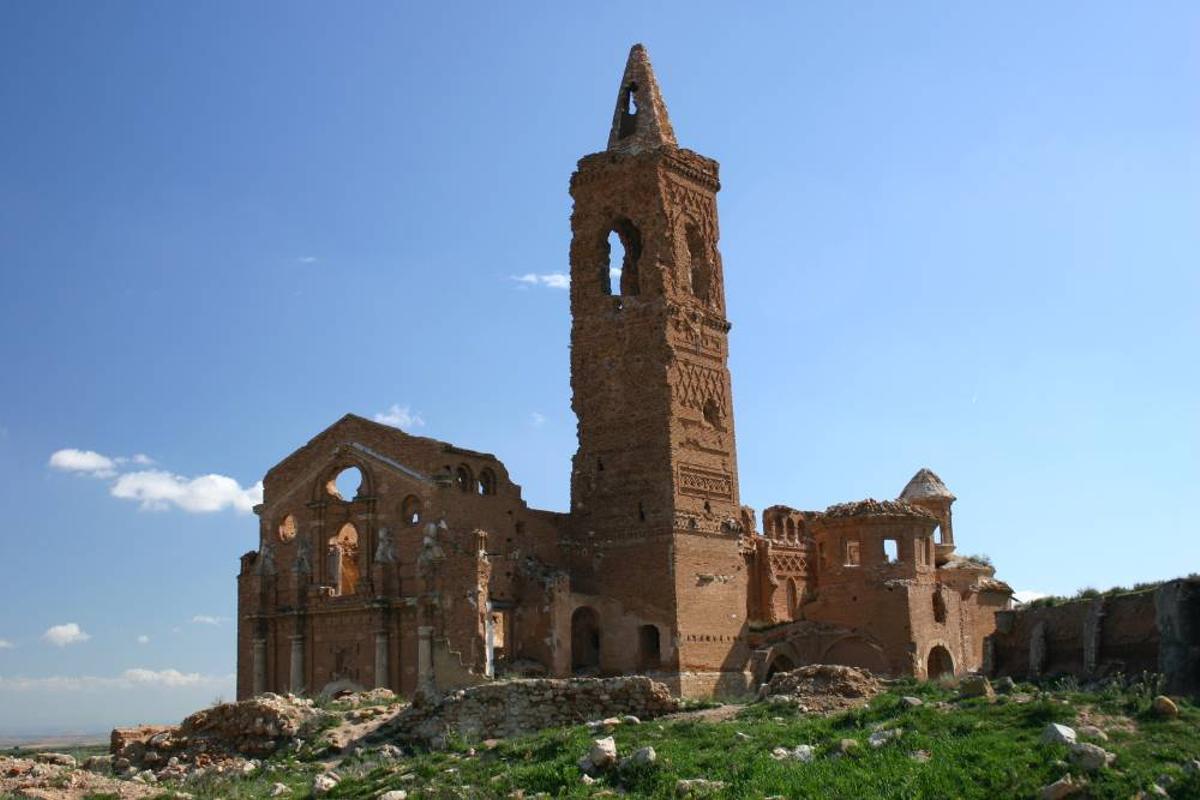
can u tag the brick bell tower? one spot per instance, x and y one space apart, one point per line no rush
654 487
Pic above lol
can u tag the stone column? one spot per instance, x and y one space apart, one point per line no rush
425 683
260 666
297 672
381 660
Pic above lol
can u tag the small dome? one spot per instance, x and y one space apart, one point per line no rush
925 485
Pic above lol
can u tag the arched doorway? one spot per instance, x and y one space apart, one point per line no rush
585 641
649 648
793 598
779 663
940 663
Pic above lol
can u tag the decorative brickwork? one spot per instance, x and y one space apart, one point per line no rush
435 575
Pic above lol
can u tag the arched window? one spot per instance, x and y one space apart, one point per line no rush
464 478
346 484
410 510
939 606
487 482
699 269
287 529
629 111
622 248
791 529
793 598
343 560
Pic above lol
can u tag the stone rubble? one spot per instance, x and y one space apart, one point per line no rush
511 708
1054 733
1164 706
823 688
1062 788
1090 757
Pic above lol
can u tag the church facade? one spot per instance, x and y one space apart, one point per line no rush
434 574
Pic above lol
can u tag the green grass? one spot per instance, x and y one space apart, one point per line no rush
977 750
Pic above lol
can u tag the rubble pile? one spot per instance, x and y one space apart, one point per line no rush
220 738
511 708
822 687
48 779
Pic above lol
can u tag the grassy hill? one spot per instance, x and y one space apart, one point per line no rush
948 747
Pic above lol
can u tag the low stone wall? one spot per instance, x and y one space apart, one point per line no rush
512 708
1154 630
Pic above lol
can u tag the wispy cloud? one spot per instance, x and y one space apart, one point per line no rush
551 280
65 634
208 619
143 639
5 644
1028 595
137 677
399 416
537 420
158 489
307 259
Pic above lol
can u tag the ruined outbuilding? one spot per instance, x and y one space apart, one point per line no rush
429 572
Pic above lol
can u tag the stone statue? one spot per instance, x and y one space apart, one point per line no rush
266 560
431 551
303 562
385 551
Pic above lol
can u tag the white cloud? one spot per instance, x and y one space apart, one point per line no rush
143 639
399 416
208 619
86 462
552 280
63 635
158 490
1028 595
307 259
137 677
536 419
5 644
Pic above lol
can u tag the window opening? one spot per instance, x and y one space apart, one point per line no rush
853 557
346 484
700 272
287 529
464 478
891 551
411 510
939 606
487 482
629 112
343 560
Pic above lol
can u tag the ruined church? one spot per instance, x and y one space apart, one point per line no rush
434 574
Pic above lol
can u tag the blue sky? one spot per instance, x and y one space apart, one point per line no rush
953 236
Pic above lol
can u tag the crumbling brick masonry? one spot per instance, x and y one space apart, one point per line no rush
434 574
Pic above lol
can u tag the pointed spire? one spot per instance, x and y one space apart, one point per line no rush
926 485
640 119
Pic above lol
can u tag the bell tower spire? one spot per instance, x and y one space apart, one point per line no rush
640 120
654 484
